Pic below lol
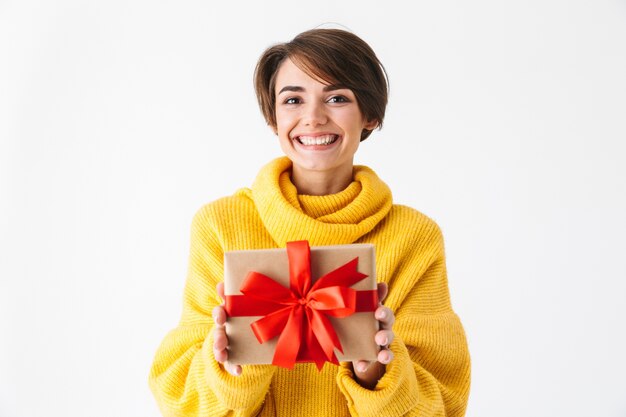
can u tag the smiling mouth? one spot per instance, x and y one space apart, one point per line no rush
317 140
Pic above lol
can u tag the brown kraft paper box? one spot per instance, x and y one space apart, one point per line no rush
356 332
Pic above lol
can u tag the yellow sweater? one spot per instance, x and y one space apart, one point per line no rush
430 372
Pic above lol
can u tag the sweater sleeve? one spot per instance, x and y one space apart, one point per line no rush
185 378
430 372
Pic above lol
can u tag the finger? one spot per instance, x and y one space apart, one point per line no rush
220 289
220 355
385 356
232 369
219 315
382 291
220 340
385 316
361 366
384 338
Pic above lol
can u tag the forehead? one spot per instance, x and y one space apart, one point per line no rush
289 74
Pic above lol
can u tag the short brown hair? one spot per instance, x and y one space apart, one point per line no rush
333 56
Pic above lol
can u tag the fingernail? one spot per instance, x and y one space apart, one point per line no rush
382 314
362 367
237 371
385 342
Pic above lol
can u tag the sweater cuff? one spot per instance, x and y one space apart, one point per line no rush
395 394
244 392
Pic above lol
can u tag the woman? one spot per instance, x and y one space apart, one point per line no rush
322 94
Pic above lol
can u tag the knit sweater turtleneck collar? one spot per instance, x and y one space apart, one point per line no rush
332 219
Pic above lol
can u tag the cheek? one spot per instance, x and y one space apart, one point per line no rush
350 118
283 121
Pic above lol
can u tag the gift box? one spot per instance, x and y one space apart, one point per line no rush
301 304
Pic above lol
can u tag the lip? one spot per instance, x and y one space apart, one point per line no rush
299 145
313 134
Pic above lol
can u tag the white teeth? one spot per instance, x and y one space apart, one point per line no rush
317 140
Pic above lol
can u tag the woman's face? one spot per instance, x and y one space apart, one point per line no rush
319 126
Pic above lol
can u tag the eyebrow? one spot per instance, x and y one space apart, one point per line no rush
298 89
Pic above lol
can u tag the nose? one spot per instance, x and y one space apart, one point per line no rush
315 114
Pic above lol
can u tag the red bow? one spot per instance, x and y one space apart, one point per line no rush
299 314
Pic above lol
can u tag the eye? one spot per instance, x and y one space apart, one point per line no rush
292 100
338 99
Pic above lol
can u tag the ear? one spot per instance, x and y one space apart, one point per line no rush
371 124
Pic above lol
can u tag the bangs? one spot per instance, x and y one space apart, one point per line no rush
315 68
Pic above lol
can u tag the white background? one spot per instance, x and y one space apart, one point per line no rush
119 119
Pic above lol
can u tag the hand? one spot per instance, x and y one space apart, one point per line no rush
367 373
220 340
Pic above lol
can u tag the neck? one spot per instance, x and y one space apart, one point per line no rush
310 182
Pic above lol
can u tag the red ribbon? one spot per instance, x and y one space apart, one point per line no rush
298 315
